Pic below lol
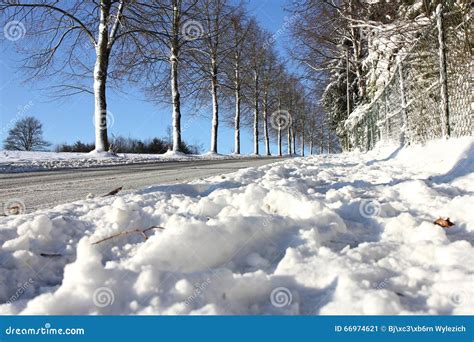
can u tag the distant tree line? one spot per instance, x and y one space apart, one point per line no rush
129 145
27 135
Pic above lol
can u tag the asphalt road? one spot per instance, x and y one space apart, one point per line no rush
46 189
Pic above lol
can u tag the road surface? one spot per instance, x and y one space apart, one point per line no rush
45 189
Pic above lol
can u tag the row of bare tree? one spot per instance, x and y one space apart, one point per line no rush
198 51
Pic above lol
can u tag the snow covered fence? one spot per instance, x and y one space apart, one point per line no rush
428 95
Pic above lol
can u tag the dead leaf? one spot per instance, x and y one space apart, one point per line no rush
445 223
114 192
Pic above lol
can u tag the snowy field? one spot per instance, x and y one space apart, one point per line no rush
339 234
21 161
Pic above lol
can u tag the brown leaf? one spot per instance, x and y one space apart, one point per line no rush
114 192
445 223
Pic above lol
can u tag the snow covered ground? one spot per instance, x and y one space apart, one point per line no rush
338 234
22 161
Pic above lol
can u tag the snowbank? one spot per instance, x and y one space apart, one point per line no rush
339 234
21 161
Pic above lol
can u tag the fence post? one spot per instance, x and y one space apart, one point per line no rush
372 140
348 86
367 137
403 98
443 74
387 119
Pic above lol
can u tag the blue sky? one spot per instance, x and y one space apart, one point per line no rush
71 119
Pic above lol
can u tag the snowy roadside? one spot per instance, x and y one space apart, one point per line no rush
21 161
339 234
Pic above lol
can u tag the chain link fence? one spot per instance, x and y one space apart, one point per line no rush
429 93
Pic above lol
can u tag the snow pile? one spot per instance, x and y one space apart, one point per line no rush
22 161
339 234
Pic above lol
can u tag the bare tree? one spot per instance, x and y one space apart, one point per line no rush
26 135
211 53
318 38
269 80
172 28
75 29
256 55
239 35
311 128
278 120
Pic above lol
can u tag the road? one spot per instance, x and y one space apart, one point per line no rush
46 189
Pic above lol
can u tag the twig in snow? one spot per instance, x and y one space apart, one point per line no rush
130 232
50 255
114 192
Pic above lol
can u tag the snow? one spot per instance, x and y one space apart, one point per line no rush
101 154
21 161
174 154
339 234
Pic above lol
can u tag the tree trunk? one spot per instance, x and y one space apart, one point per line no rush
175 95
405 129
321 147
443 74
293 139
176 104
279 131
358 69
100 79
279 142
302 142
256 112
356 46
348 86
288 134
215 105
265 123
237 107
